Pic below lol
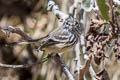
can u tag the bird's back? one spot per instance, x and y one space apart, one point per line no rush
59 40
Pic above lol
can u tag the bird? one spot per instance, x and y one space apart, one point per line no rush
60 39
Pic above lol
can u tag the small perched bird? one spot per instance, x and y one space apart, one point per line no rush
59 40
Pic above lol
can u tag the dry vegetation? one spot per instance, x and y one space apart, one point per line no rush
32 17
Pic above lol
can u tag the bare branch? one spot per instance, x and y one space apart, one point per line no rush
17 31
92 72
73 8
54 8
24 65
59 61
111 10
83 47
77 58
102 75
85 68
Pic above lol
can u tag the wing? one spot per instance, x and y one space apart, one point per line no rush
59 38
60 35
65 36
48 43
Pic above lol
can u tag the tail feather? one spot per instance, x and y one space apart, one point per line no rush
23 42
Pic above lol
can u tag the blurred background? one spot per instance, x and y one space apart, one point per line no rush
32 17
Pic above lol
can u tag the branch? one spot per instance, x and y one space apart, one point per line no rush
17 31
111 10
99 22
73 8
24 65
92 72
10 29
54 8
59 61
83 46
102 75
77 61
85 67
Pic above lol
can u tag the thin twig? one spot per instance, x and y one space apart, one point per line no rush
92 72
85 67
24 65
111 10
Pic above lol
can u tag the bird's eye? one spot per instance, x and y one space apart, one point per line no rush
67 23
76 22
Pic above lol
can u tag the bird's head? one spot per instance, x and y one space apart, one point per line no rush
71 22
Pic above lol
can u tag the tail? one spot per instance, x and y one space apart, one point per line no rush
23 42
